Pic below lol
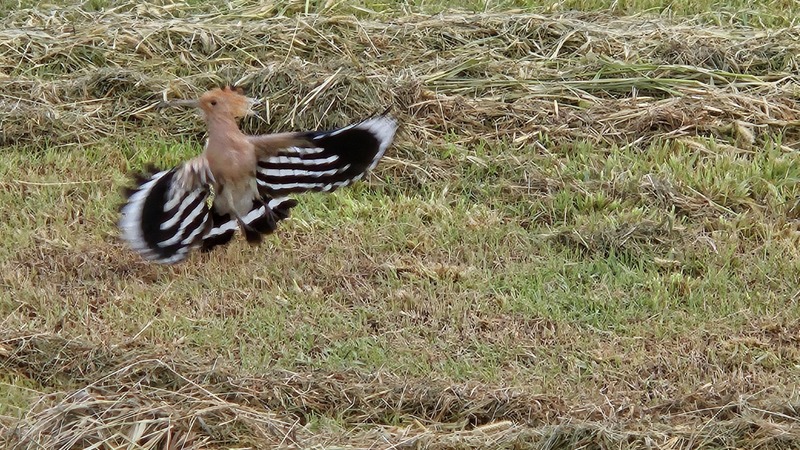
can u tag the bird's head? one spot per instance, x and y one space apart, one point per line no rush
226 101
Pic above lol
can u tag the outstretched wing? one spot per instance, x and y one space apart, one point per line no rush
330 159
166 214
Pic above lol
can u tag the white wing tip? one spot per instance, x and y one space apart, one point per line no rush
382 127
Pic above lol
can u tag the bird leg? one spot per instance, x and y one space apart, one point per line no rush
251 234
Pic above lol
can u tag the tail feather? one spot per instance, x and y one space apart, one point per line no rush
220 233
263 218
340 158
266 214
163 223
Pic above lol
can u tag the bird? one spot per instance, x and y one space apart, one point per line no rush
240 181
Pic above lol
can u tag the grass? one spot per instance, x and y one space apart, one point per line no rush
766 14
585 234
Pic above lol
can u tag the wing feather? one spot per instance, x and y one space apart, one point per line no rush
166 214
331 160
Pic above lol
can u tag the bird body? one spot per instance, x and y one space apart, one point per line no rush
242 181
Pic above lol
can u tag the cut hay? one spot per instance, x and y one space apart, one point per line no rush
108 414
76 77
156 402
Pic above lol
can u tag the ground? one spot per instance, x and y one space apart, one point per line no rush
584 236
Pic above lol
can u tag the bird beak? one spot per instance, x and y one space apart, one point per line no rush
181 103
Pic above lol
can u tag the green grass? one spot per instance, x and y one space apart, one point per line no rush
461 280
330 288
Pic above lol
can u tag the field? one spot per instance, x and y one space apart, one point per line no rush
585 234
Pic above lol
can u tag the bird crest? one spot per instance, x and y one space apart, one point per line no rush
227 101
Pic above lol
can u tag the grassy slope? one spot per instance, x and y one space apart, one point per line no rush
642 283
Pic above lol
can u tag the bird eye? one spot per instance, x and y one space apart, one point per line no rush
213 103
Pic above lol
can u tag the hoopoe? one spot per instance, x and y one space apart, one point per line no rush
241 181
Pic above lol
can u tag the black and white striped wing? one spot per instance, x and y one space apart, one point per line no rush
335 159
263 218
163 219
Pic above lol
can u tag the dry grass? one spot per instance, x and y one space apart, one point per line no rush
586 234
509 76
157 403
